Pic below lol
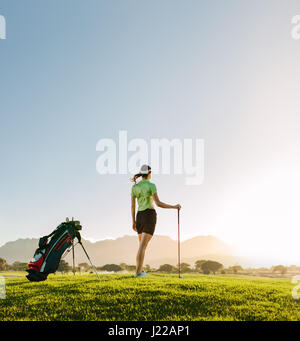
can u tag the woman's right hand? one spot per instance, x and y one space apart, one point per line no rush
134 226
177 207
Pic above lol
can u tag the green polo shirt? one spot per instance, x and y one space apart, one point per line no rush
144 191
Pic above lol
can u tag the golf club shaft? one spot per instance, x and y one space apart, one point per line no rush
178 243
90 260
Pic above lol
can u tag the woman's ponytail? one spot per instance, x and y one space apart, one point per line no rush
136 177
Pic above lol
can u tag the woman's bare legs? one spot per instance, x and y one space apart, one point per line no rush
144 240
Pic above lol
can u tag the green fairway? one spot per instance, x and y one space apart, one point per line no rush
156 297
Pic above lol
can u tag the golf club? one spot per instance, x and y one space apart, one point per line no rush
178 216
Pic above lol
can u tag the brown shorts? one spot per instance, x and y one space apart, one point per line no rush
146 221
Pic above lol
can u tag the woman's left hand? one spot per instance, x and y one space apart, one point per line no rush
134 227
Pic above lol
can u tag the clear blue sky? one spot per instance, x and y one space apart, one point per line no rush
73 72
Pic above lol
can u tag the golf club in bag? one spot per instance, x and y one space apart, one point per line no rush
53 248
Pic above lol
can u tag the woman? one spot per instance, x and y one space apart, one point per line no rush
144 224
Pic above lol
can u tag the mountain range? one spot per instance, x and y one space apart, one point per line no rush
161 250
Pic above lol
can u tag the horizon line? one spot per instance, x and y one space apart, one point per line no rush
91 240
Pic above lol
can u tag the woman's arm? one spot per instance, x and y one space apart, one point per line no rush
133 212
162 204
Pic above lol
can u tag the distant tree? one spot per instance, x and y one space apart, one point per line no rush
166 268
295 268
235 268
185 267
211 266
3 264
123 266
147 268
84 266
19 266
130 268
279 268
111 267
198 264
64 266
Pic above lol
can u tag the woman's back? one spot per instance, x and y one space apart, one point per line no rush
144 191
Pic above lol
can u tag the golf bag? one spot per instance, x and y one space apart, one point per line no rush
51 249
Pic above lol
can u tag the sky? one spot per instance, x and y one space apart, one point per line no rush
74 72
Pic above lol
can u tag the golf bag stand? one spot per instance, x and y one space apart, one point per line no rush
73 254
89 260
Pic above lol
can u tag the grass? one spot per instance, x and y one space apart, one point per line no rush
157 297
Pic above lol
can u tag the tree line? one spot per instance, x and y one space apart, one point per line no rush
200 266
